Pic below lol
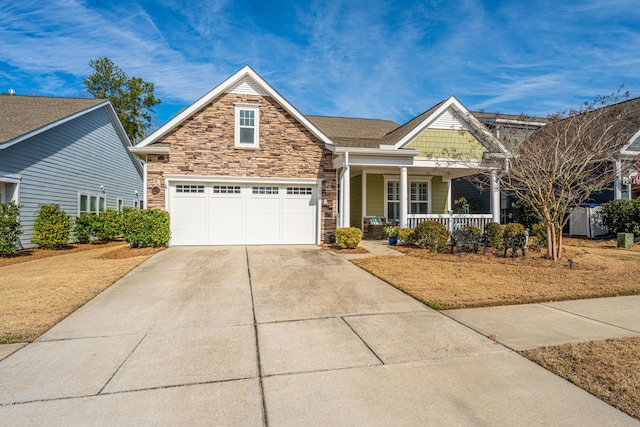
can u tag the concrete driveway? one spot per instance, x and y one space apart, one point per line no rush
279 336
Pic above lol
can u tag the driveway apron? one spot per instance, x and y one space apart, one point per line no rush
278 336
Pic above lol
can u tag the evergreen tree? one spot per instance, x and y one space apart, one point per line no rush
132 98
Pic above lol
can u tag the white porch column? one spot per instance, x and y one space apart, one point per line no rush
345 194
617 183
495 197
449 201
404 196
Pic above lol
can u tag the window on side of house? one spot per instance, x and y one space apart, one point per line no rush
419 198
88 203
120 205
247 126
83 204
393 201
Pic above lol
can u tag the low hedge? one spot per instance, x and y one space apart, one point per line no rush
432 235
509 231
146 227
622 216
348 238
493 231
9 228
52 227
406 235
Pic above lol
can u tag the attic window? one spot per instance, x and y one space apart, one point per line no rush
247 126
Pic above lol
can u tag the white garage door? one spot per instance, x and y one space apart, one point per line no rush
238 214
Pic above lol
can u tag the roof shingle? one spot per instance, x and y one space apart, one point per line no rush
23 114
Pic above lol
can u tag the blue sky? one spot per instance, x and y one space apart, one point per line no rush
374 59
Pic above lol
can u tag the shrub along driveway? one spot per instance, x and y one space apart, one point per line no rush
277 336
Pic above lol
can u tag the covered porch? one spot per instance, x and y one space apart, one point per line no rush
405 190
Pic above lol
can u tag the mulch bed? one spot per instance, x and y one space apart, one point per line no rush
127 252
339 250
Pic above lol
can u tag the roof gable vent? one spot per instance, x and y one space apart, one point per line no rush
247 86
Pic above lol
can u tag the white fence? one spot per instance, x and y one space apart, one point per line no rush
452 221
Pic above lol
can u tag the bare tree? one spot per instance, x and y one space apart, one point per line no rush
558 166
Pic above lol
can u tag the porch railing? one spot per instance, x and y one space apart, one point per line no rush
452 221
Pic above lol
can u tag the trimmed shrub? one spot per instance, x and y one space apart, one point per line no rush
348 238
83 228
622 216
525 214
146 227
432 235
9 228
51 228
509 231
493 231
540 231
107 226
474 228
406 235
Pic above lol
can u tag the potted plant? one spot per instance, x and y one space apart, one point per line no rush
392 233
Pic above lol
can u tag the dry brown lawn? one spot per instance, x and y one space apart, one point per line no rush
447 281
38 288
609 369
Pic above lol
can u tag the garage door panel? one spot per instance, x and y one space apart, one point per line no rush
189 220
226 219
233 214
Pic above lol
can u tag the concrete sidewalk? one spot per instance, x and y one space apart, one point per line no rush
275 336
526 326
375 248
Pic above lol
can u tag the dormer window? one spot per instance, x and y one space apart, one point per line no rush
247 129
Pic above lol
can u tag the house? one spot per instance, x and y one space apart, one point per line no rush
507 127
71 152
243 166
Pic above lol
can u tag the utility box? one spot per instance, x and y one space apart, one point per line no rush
587 221
625 240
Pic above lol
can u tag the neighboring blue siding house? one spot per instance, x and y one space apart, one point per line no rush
67 151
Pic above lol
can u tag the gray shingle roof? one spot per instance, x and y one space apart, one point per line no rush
23 114
353 132
366 133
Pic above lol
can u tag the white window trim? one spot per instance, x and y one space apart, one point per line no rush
428 201
89 196
13 179
256 134
410 179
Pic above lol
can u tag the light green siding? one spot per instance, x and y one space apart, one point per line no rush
439 196
356 201
375 195
439 143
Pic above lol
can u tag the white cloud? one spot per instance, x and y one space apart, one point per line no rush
380 59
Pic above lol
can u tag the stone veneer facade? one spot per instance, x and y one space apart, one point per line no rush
203 145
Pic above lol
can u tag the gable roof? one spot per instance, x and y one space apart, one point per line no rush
371 133
402 136
632 147
21 117
353 132
245 78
